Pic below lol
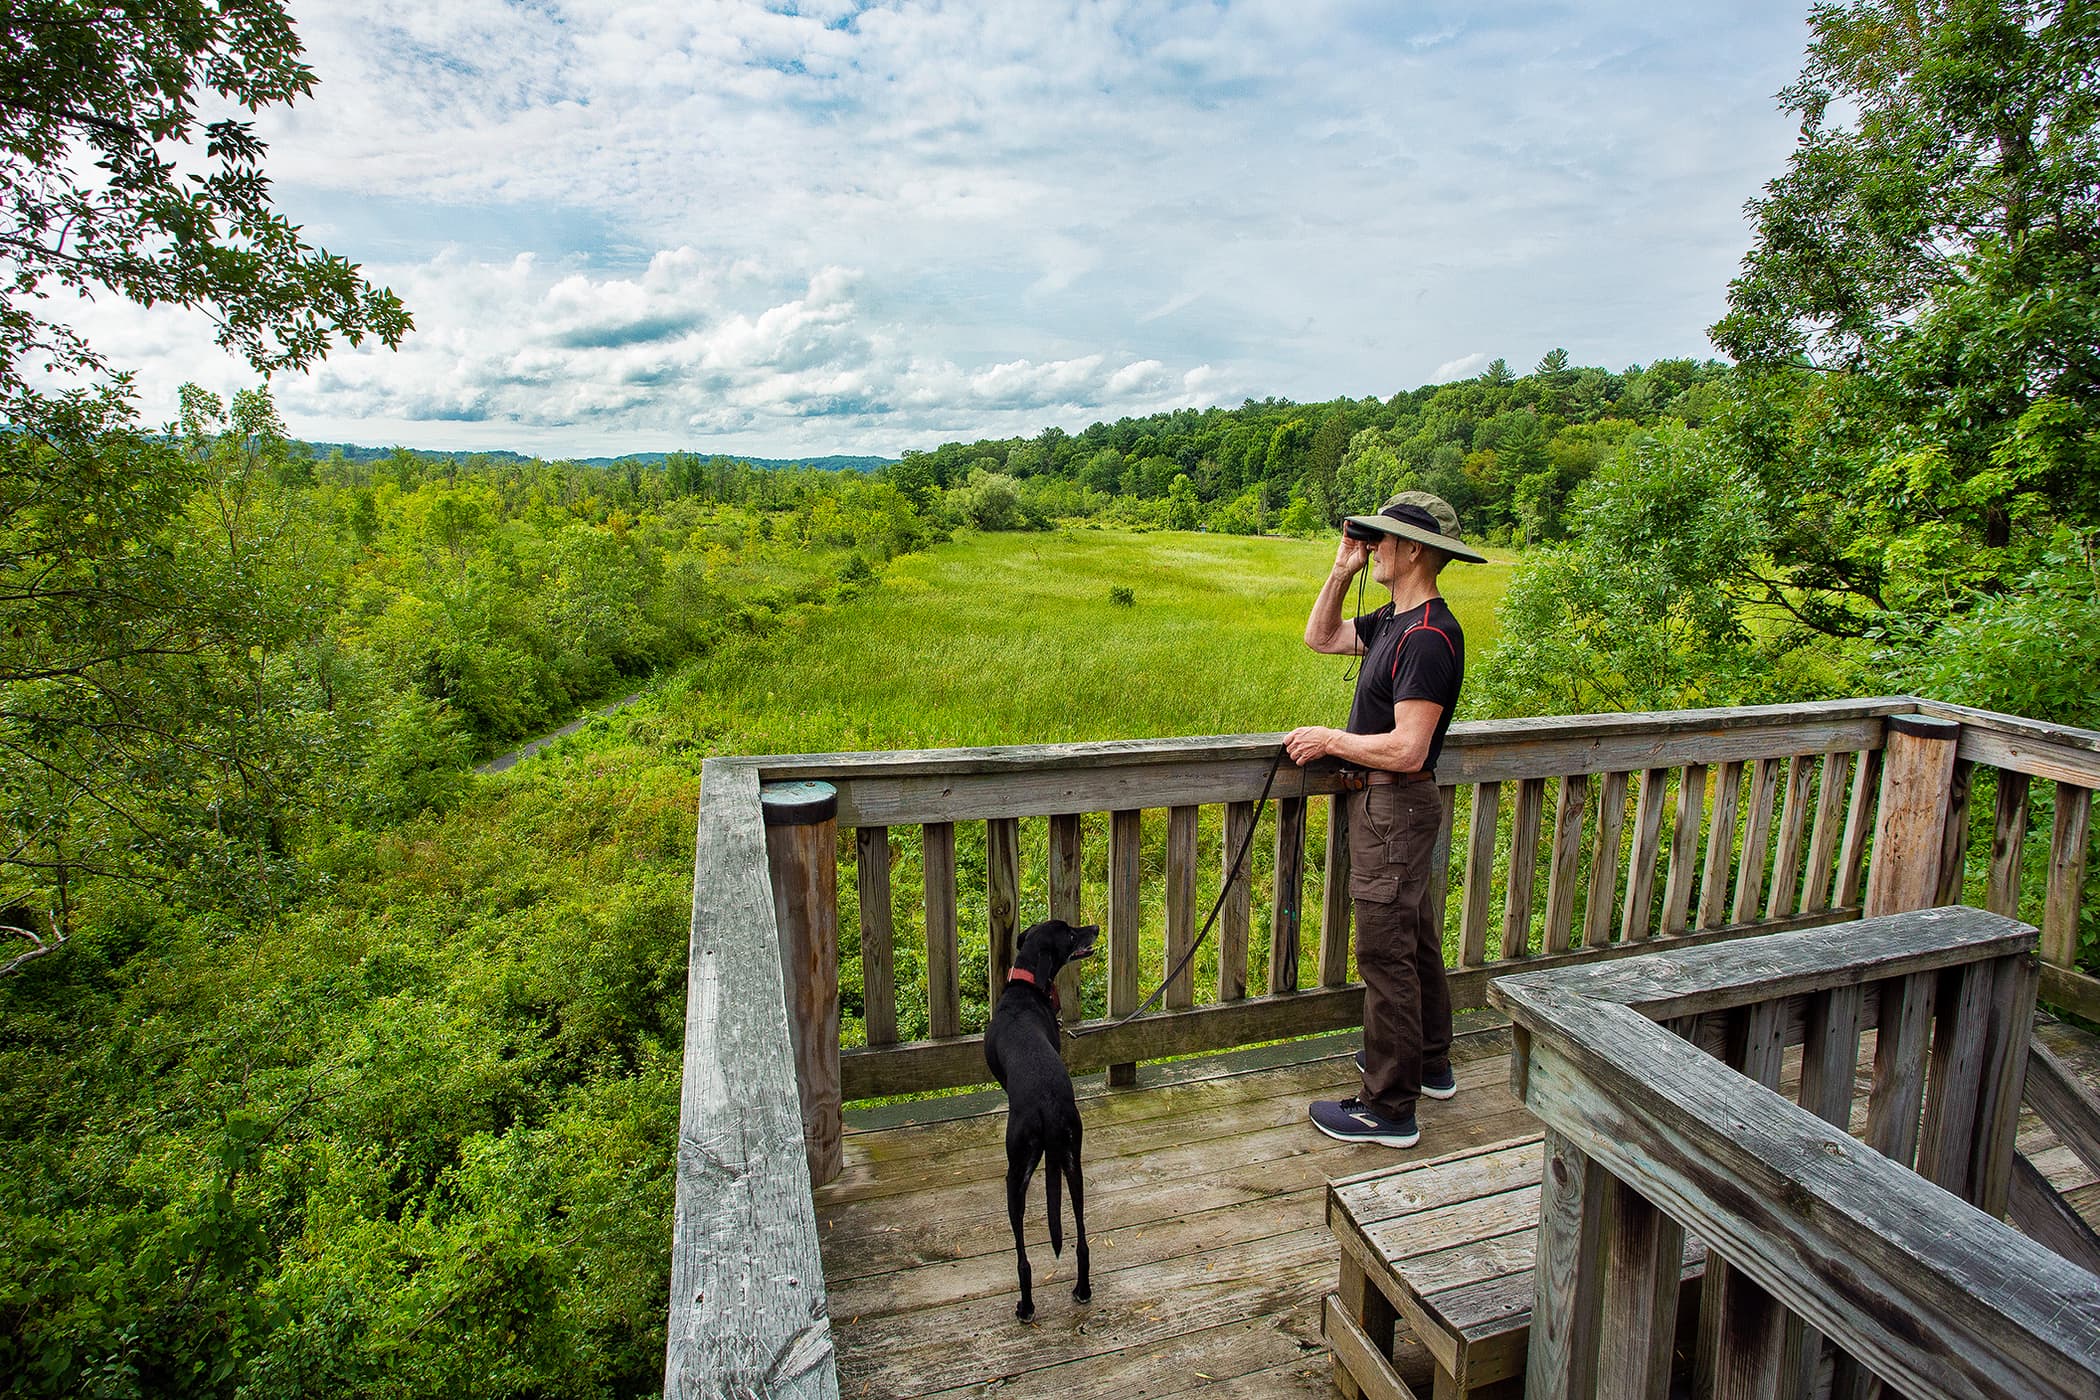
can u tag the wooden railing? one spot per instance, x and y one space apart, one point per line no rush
1813 1239
1566 840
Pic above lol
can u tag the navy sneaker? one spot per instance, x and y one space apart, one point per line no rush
1353 1120
1434 1086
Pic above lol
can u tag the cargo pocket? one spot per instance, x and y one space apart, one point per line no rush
1374 888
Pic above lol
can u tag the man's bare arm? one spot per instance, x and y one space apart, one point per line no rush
1326 630
1404 750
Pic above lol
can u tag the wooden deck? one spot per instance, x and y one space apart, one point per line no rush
1205 1210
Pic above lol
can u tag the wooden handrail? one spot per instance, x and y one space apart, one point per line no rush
1929 1293
747 1280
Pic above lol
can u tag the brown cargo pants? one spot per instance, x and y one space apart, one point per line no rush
1399 949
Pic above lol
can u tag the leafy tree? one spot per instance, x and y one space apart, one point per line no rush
1922 308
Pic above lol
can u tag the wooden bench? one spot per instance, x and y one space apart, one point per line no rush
1437 1255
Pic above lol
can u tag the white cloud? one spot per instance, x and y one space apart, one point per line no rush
620 224
1462 367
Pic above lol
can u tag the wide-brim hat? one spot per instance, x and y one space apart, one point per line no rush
1427 519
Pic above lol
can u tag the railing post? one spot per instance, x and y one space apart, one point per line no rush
801 857
1917 776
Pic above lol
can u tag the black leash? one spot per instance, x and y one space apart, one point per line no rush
1237 860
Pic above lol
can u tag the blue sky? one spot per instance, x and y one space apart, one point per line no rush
801 228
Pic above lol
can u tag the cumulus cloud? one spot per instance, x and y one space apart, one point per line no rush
626 222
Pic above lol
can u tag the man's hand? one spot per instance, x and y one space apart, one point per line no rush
1350 556
1309 742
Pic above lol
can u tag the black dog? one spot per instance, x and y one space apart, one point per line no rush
1042 1117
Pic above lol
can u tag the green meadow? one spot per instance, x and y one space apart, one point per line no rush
1015 638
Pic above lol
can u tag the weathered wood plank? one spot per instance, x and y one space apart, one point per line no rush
1364 1360
1642 1283
1236 917
1829 1064
2038 1212
1568 811
1684 848
1793 818
1953 1081
1823 836
1860 815
1749 1359
1940 1299
1954 840
878 958
1755 1047
2007 1035
2008 842
1481 820
1334 896
1568 1278
1523 867
1757 838
1601 910
2067 860
2052 758
2071 1110
1917 767
1904 1025
1181 907
744 1254
802 866
1002 902
1440 858
1683 980
1640 864
1067 883
1720 846
1125 937
943 958
1286 917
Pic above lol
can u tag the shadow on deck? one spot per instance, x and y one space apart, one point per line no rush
1206 1195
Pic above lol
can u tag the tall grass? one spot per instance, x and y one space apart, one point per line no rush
1014 638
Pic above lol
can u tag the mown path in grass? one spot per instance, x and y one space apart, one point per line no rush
1014 638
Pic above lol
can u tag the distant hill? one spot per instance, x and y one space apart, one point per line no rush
354 452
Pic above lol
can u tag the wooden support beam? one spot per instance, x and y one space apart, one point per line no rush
878 962
1916 776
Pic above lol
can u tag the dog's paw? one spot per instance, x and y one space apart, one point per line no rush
1024 1310
1082 1294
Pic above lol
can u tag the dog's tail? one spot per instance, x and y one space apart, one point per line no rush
1059 1161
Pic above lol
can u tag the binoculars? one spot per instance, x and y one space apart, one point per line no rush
1362 533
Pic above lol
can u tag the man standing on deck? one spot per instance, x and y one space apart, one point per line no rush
1414 660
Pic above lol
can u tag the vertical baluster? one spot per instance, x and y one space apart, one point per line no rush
1720 846
2074 814
1829 1063
1480 874
1440 860
1066 880
943 977
1568 812
1954 841
1750 1345
1859 826
1640 866
1757 839
1793 817
1684 847
1290 894
1237 915
1181 907
2006 1037
1961 1012
1646 1253
2008 841
1568 1275
1334 896
1124 831
1002 900
1730 1304
1823 837
878 967
1900 1038
1603 902
1523 867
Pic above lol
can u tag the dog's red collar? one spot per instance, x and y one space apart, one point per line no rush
1022 974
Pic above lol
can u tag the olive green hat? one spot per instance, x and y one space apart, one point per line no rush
1427 519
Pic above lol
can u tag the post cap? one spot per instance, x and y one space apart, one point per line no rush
799 803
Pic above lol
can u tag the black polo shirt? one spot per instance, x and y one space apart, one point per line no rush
1419 654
